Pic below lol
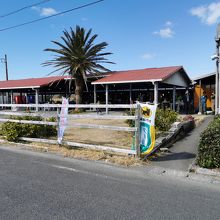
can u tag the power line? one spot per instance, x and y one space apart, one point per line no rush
60 13
21 9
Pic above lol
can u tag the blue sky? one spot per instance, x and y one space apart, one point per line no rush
140 33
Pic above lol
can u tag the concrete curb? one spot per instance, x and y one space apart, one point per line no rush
203 171
188 176
201 174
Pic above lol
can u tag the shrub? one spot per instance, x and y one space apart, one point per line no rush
77 111
209 146
163 121
13 130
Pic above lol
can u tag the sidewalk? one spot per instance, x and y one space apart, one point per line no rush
183 153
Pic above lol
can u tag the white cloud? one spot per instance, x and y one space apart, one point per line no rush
148 56
45 11
208 14
166 32
35 8
169 23
48 12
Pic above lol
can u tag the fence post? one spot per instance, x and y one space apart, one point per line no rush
137 133
58 122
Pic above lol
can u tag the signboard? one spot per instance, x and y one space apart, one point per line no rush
147 128
62 119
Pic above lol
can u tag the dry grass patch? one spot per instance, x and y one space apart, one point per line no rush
104 137
86 154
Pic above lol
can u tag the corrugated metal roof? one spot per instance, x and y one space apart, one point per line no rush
204 76
142 75
30 83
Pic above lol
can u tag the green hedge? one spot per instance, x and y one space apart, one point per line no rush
209 146
163 121
12 130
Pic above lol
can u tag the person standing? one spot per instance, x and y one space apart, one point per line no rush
203 102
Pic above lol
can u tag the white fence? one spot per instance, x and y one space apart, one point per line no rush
135 129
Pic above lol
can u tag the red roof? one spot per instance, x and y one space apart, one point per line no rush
142 75
30 83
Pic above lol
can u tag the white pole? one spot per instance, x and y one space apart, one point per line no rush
2 98
174 98
37 99
11 97
218 82
95 97
155 92
106 98
7 98
217 97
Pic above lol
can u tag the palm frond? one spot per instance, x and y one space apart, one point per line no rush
77 54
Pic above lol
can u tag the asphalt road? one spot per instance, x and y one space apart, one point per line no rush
44 186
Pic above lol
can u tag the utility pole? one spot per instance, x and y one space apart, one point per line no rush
217 78
6 67
5 61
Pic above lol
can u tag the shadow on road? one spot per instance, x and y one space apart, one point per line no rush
175 156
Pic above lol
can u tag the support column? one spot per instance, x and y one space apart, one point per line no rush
26 98
37 99
3 102
11 97
7 94
200 94
95 95
106 98
130 94
155 92
174 98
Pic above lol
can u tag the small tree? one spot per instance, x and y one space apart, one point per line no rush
77 55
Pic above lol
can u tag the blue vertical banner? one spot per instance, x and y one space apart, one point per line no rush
147 128
63 119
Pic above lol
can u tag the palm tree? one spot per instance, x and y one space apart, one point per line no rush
77 56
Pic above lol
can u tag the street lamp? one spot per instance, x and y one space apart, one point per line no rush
5 61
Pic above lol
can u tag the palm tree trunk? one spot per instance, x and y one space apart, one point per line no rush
79 86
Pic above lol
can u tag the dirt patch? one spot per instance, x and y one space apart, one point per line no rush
120 139
199 119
